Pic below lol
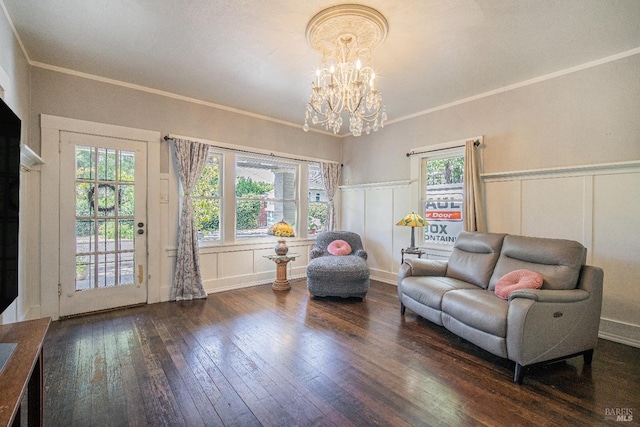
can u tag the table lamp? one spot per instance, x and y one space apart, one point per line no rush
281 229
412 220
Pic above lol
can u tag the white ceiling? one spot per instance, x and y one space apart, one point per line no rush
252 55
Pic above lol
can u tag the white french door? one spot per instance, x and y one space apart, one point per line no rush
103 244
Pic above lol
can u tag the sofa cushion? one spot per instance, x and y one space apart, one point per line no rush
429 290
477 308
558 261
338 248
341 268
474 257
517 279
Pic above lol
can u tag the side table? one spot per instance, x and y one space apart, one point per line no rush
412 251
281 283
23 372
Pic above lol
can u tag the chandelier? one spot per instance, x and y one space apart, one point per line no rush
346 35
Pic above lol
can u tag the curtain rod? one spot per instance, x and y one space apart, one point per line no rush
411 153
168 138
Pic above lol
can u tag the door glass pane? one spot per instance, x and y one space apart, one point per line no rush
125 268
85 236
127 166
106 269
106 234
105 217
83 199
106 164
125 234
84 163
126 199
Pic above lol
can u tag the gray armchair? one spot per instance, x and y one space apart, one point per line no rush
340 276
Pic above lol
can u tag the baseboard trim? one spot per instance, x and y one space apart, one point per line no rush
384 276
620 332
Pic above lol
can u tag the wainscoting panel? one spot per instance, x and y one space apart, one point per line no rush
616 248
553 207
352 211
372 211
379 227
237 263
238 266
209 265
503 201
597 205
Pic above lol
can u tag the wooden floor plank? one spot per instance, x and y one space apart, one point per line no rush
257 357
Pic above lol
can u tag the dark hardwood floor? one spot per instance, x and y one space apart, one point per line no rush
258 357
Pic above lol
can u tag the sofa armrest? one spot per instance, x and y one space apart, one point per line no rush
315 253
361 253
426 267
548 295
548 324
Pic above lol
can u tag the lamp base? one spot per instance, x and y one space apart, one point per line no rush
413 238
281 247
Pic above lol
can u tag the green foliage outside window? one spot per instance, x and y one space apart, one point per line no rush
317 216
206 199
248 211
445 171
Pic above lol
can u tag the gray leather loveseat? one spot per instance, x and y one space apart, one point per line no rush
558 321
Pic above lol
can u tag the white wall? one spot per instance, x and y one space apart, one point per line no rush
576 138
597 205
100 105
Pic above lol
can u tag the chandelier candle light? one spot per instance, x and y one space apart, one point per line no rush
412 220
346 35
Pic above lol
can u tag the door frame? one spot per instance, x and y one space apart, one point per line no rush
50 128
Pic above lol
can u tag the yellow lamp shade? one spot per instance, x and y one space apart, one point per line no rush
412 220
281 229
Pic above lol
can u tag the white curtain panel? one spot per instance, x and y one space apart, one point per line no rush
331 173
187 282
474 216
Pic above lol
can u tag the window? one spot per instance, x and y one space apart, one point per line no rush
267 189
266 193
442 197
207 199
318 203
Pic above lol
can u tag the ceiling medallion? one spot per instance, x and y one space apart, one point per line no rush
345 35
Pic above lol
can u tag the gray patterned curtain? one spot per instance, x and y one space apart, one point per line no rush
331 173
474 217
187 282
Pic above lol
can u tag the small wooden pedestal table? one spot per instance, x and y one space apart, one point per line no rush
23 371
281 283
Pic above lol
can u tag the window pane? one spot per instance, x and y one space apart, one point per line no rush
443 199
266 192
318 201
207 199
317 217
209 182
207 215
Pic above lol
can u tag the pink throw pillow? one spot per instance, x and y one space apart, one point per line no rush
518 279
339 247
